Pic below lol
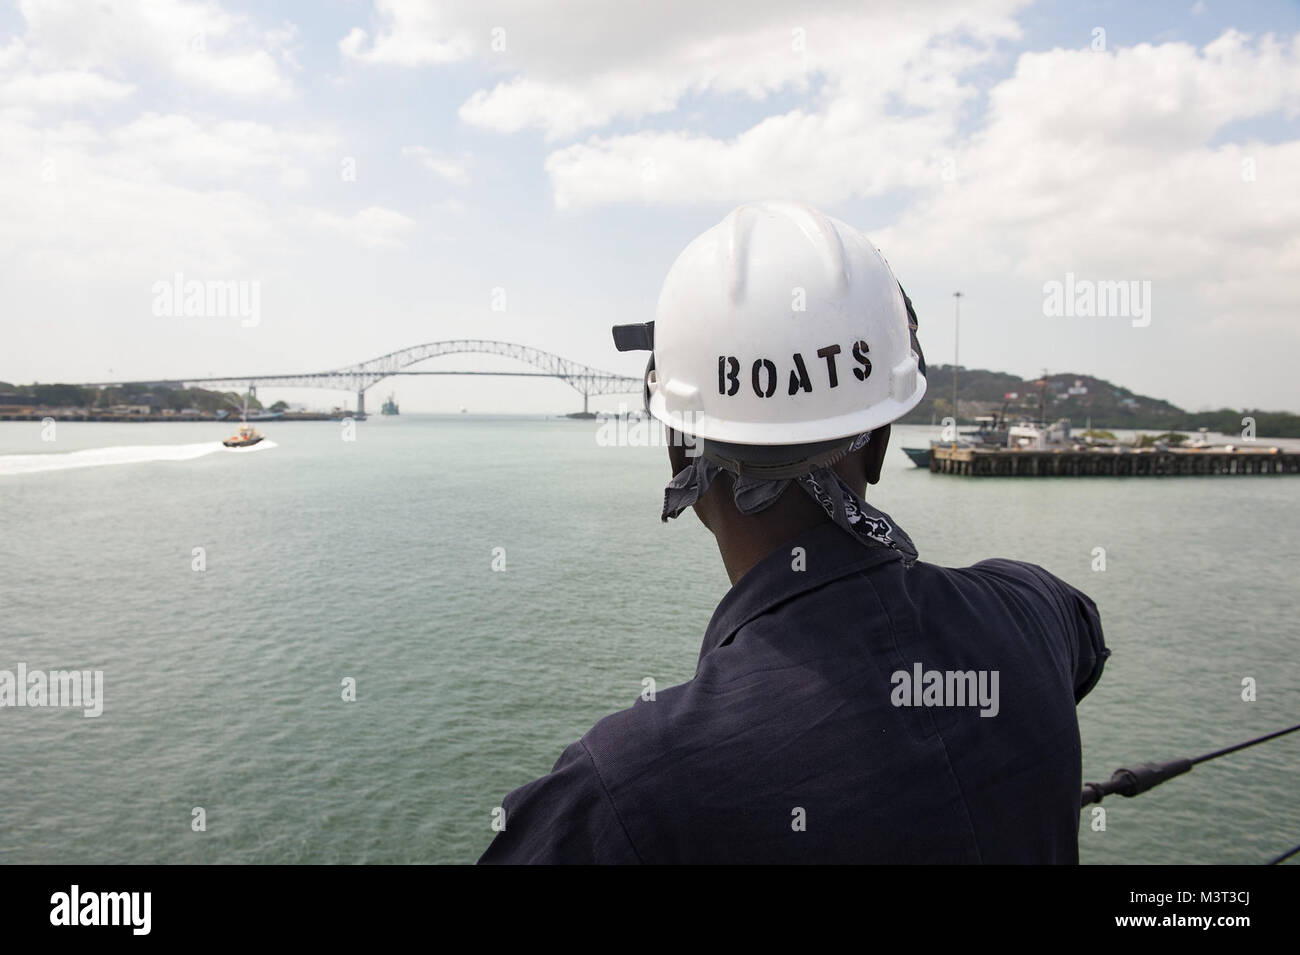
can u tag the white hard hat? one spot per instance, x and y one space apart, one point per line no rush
780 326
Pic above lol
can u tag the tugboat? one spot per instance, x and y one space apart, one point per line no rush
247 436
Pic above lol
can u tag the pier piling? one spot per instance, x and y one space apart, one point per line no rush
978 462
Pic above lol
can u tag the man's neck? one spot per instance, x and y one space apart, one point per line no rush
745 540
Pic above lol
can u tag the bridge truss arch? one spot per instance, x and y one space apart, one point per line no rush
584 379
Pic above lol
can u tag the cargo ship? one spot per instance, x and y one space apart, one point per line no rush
389 407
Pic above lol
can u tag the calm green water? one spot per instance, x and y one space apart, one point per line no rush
372 559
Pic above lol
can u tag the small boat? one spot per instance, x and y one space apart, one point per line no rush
1039 436
990 430
918 456
247 437
921 456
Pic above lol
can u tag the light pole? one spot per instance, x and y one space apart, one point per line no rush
956 316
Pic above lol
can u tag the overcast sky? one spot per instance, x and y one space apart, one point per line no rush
378 170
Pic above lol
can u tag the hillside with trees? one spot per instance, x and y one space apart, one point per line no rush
1081 398
157 396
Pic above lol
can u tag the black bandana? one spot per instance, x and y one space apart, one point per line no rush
870 527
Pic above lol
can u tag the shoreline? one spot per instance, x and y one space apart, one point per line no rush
109 418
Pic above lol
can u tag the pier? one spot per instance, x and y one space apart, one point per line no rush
977 462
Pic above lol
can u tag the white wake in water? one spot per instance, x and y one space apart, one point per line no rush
98 457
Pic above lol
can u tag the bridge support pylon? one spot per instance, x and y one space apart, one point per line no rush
361 401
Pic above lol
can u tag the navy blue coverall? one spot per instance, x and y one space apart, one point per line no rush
792 743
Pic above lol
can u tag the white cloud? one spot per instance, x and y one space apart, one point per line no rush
562 109
161 193
351 45
582 64
61 88
1085 161
247 73
75 211
412 34
373 226
89 201
12 54
799 155
453 169
1124 139
215 149
1104 164
886 115
194 42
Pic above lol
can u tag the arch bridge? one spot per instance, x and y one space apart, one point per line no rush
584 379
